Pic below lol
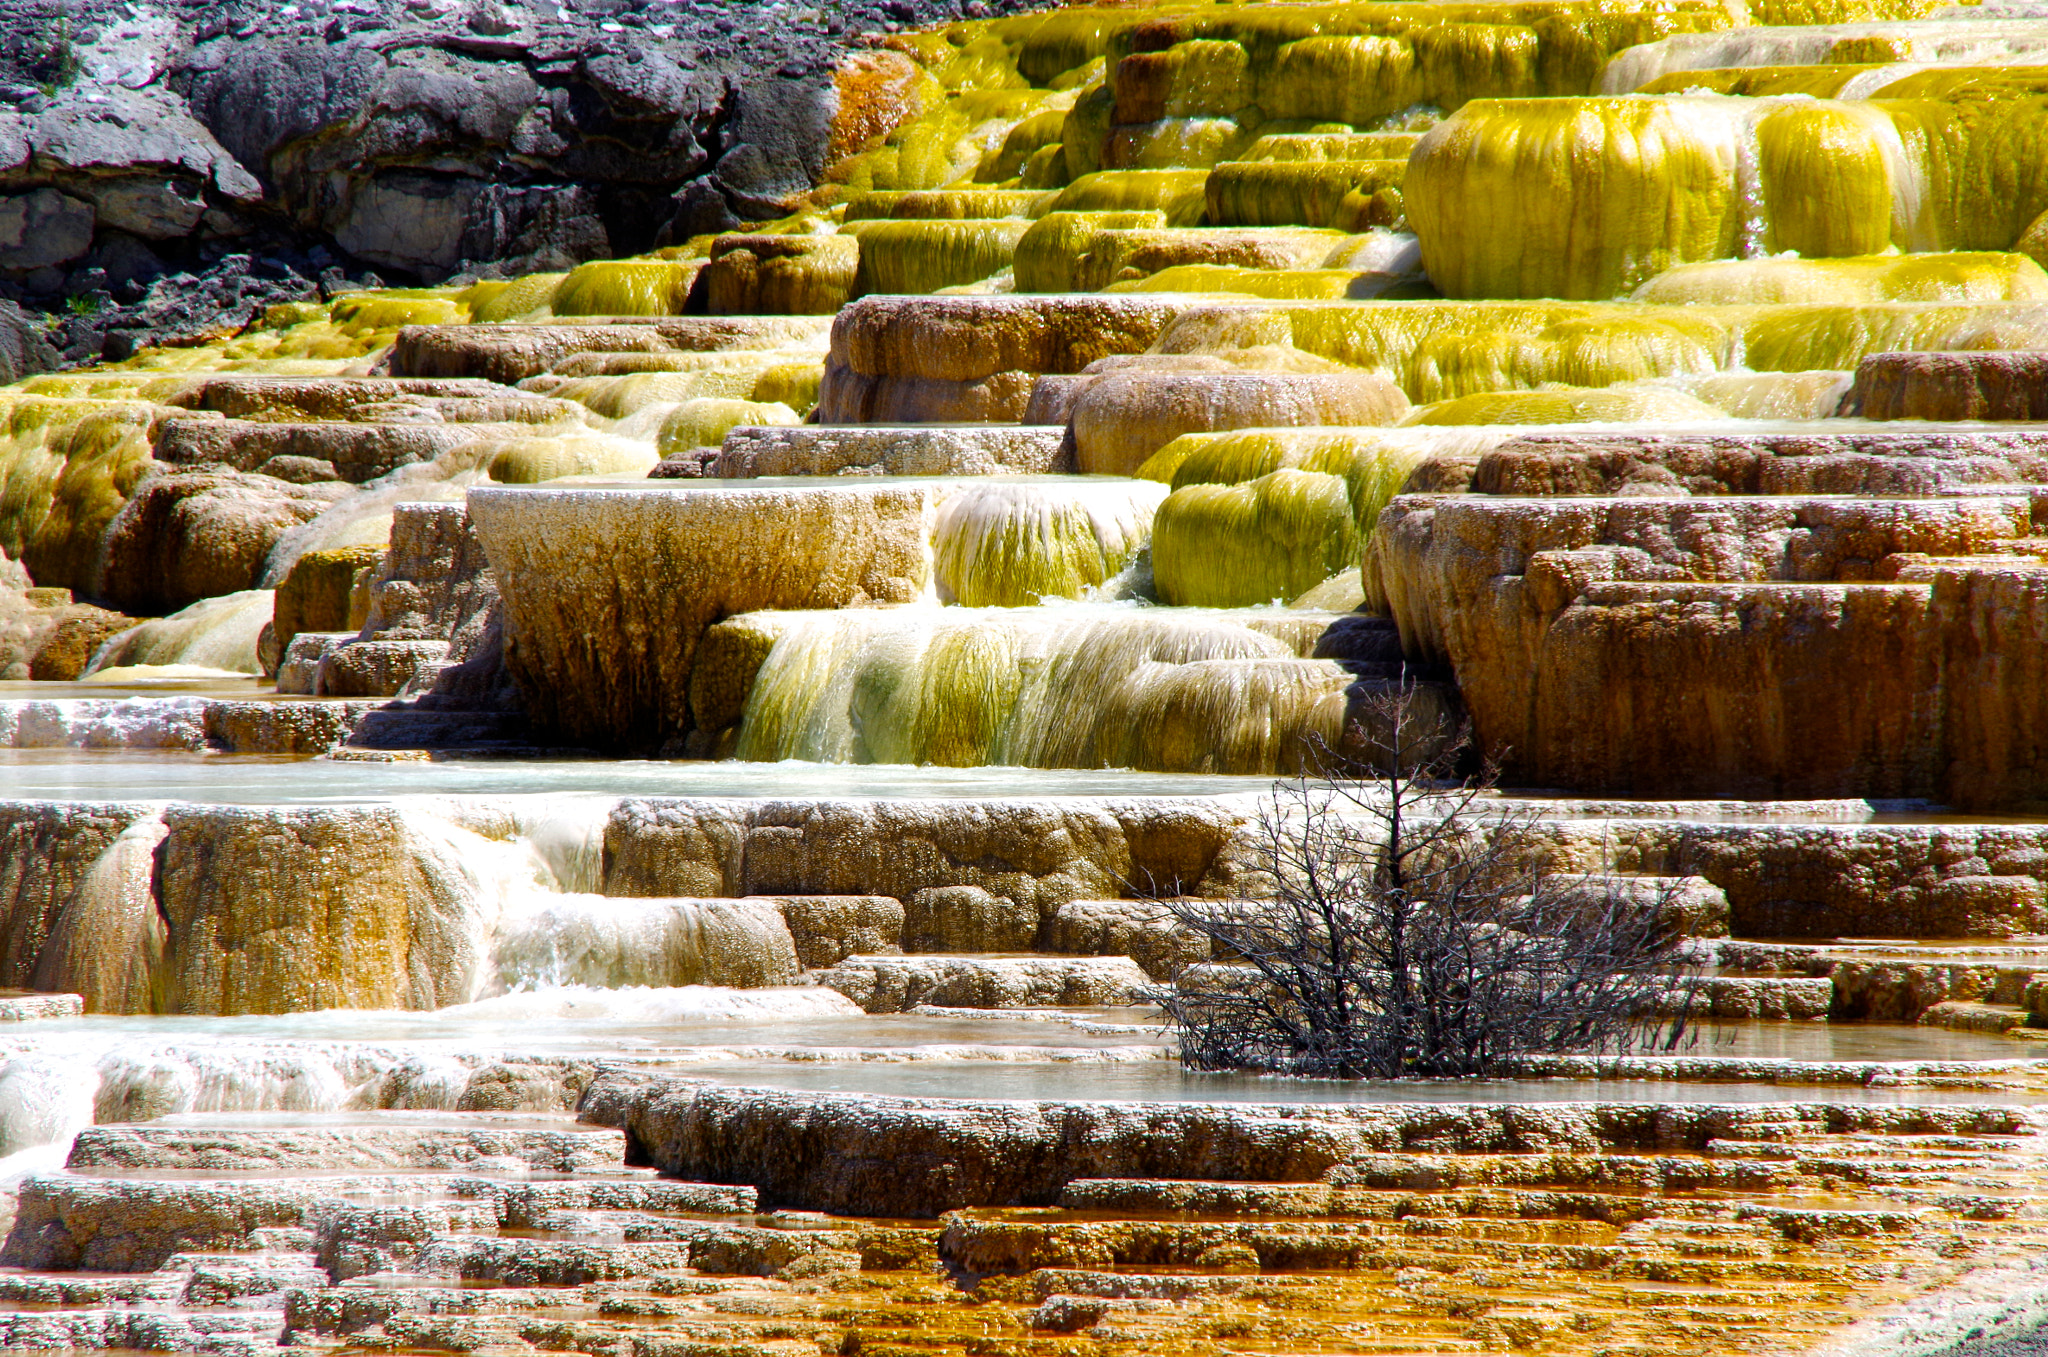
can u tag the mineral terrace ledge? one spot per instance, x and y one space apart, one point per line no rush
863 1155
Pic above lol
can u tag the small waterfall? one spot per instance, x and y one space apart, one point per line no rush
44 1099
213 636
1014 544
105 943
551 941
1086 686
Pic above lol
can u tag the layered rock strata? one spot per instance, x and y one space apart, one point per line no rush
1831 647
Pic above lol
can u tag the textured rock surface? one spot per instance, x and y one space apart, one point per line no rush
147 143
827 929
1950 386
912 450
898 984
606 592
967 919
1829 880
1815 460
356 452
937 360
1047 853
512 353
908 1157
191 535
1829 647
133 1148
272 911
48 853
1125 417
1145 932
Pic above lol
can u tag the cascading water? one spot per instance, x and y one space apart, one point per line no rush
1464 350
1087 686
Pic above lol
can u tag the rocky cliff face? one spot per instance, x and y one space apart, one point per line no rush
177 164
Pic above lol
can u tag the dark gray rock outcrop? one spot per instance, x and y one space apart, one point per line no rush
145 144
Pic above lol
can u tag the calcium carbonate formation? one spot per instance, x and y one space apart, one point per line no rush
622 811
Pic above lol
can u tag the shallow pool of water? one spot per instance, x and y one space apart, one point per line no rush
1165 1081
229 779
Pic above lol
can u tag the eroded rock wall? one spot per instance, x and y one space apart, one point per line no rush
607 592
1771 646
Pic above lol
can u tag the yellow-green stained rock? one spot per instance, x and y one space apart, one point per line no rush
1374 464
622 397
1819 82
1115 256
1827 183
1573 198
1564 406
1013 545
1071 687
67 465
1329 193
1177 193
314 594
369 313
518 299
626 287
1353 79
1203 78
1298 146
1277 284
949 204
528 461
704 422
1986 277
1047 254
780 275
1274 538
924 256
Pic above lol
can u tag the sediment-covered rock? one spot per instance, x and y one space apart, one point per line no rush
193 535
911 450
1043 852
1950 386
868 1155
50 860
1142 930
826 929
1834 647
274 911
897 984
582 570
273 1150
1819 460
511 353
937 360
350 452
1125 417
967 919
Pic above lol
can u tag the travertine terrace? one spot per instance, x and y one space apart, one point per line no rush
619 808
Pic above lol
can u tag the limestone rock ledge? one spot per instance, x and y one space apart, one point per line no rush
859 1154
1827 647
607 591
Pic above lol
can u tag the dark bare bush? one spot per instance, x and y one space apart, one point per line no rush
1414 931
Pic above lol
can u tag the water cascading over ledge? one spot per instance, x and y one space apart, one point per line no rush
607 591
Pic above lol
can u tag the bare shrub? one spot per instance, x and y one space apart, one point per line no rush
1414 930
